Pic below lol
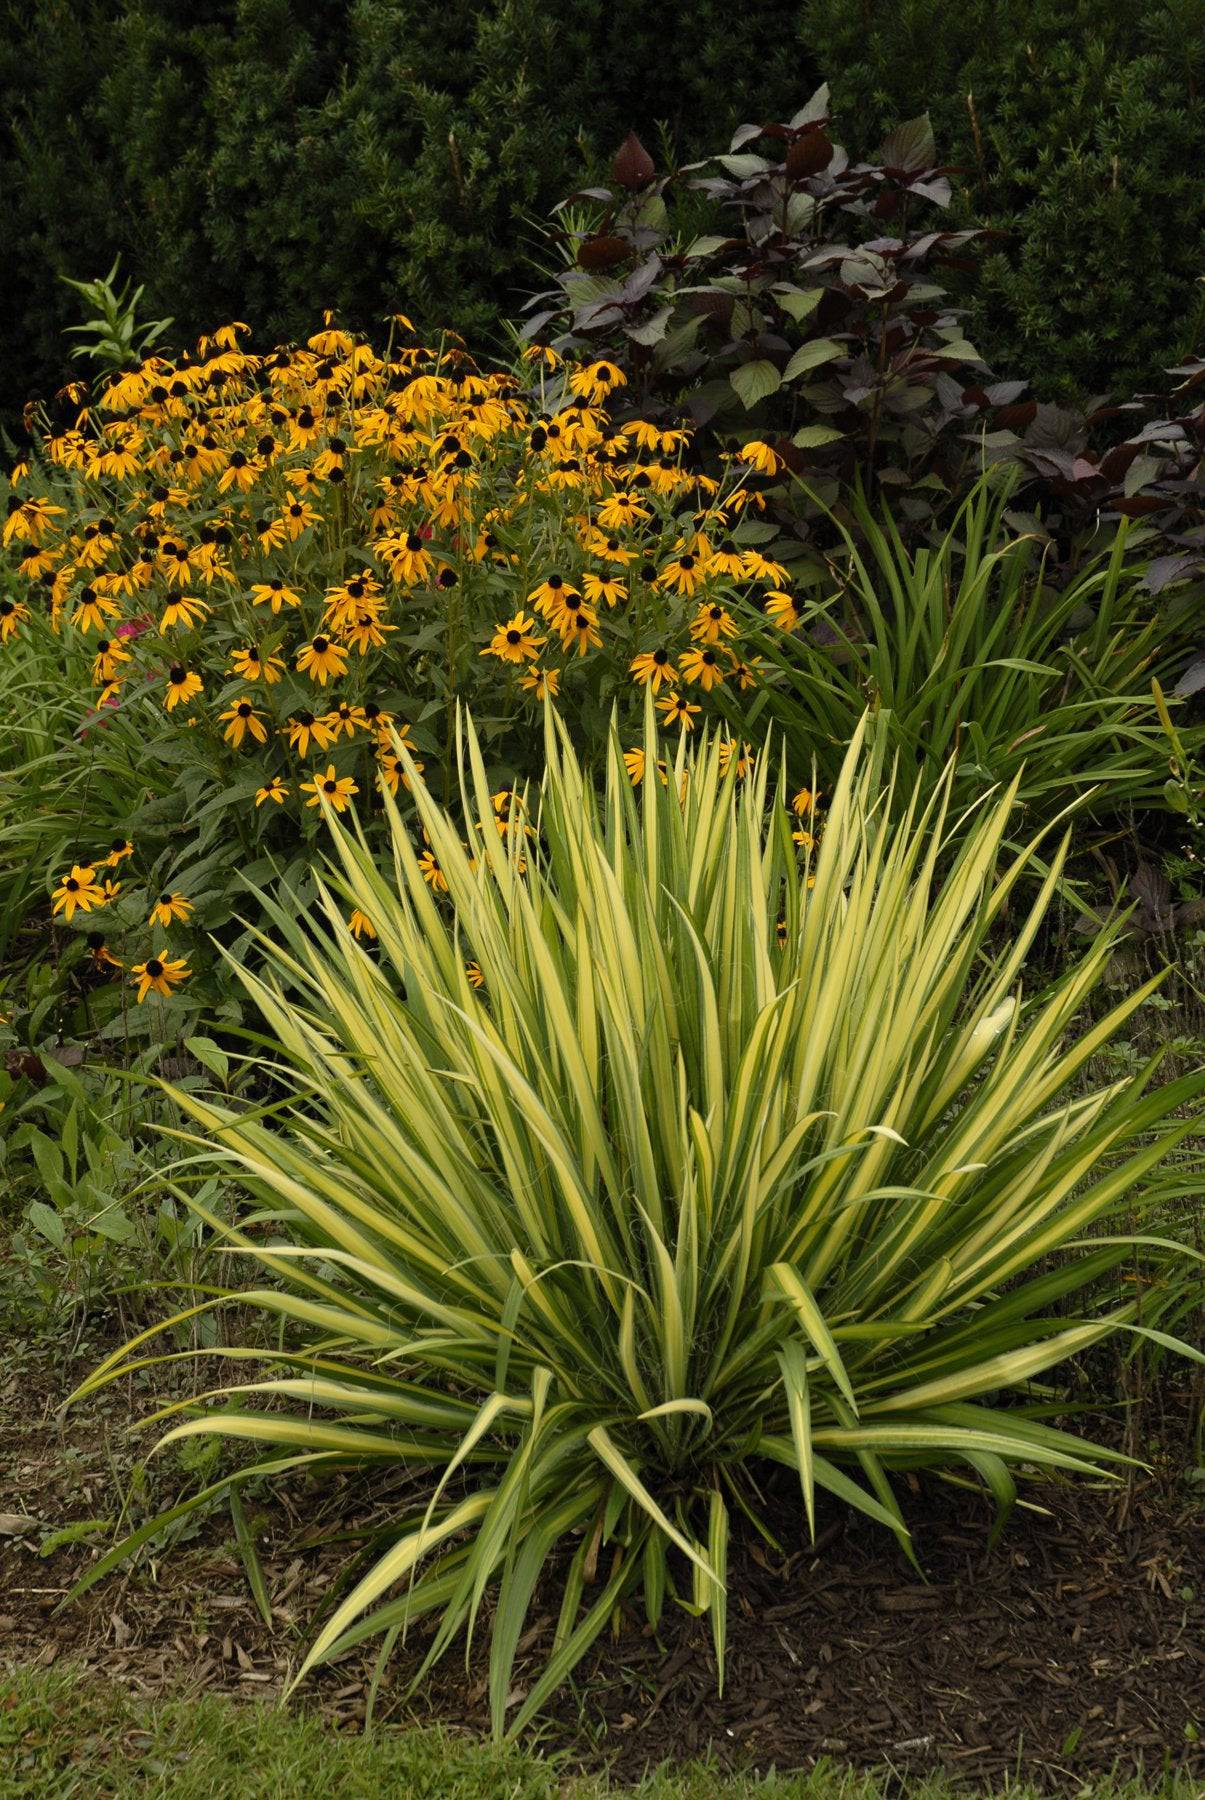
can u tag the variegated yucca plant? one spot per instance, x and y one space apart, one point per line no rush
739 1155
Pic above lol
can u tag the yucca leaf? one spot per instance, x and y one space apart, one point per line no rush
793 1364
607 1452
794 1290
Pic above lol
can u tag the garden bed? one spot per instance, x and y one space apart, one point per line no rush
1075 1648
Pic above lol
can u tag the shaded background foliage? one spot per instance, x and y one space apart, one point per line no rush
268 157
1082 138
263 158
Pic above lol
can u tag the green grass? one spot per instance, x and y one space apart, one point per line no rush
63 1735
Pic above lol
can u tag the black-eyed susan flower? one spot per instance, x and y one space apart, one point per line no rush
175 560
93 545
366 632
702 664
336 790
805 801
486 545
344 720
636 764
185 611
509 814
31 520
654 666
676 710
781 607
760 456
303 729
621 510
160 974
596 381
409 559
348 597
108 660
12 614
564 613
305 427
39 564
183 686
92 608
668 440
273 789
119 849
712 623
360 925
242 471
684 573
169 907
549 596
604 587
608 548
99 953
431 872
726 559
473 971
541 683
391 770
762 569
516 641
241 719
274 593
322 660
579 632
379 720
252 665
77 891
741 755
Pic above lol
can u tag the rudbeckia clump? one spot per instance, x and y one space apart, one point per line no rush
667 1160
262 572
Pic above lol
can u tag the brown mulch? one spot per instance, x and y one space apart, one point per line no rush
1075 1647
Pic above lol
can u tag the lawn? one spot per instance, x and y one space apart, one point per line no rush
62 1737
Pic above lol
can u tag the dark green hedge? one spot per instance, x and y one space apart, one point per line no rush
1080 129
266 158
